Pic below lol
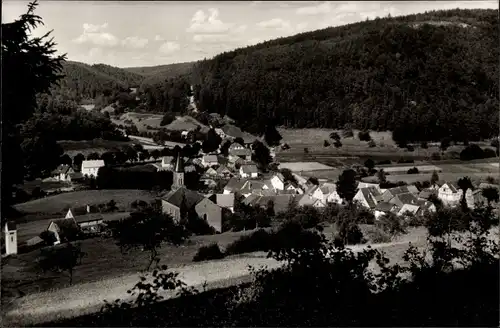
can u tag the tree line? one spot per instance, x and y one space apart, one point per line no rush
424 83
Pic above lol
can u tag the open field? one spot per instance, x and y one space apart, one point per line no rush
32 229
58 203
421 168
86 147
445 176
88 297
303 166
141 120
28 186
182 123
104 260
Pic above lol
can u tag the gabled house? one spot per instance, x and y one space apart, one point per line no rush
234 185
75 177
243 153
308 200
209 160
450 194
173 202
90 168
327 193
223 200
249 171
210 212
224 172
278 181
383 208
252 186
210 172
409 209
405 198
368 185
292 186
236 146
426 193
367 197
281 203
425 206
392 192
64 229
62 173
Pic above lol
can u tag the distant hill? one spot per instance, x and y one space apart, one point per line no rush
82 81
424 77
157 74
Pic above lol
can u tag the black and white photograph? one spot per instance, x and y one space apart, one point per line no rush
250 163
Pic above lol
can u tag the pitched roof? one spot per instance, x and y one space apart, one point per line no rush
412 189
398 190
453 186
306 199
240 152
64 224
251 186
280 176
92 164
210 158
176 197
62 169
211 171
249 168
407 198
281 202
367 195
426 193
409 208
221 169
251 199
89 217
224 200
190 168
328 188
167 160
384 206
234 184
367 184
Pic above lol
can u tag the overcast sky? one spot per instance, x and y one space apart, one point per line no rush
129 33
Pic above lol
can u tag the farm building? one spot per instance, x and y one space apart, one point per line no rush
249 171
224 172
368 197
234 185
223 200
327 193
62 173
278 181
450 194
210 212
90 168
209 160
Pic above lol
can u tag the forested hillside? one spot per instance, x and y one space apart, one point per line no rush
424 76
84 82
160 73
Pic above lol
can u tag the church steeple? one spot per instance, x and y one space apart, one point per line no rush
178 178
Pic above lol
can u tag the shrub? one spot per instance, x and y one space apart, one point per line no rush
410 148
364 136
334 136
424 145
372 144
413 170
436 156
210 252
471 152
416 221
489 153
167 119
451 155
445 143
377 235
259 240
384 162
326 143
391 224
337 144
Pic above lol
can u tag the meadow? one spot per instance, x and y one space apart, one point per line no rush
59 203
86 147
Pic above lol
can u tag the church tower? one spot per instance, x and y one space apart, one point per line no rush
178 181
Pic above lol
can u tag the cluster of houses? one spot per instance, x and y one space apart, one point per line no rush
66 173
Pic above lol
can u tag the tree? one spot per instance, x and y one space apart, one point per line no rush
147 229
29 67
337 144
391 224
464 184
155 153
212 141
138 147
66 160
78 159
48 237
239 140
434 178
326 143
491 194
144 155
62 258
335 136
347 131
108 158
131 154
381 176
364 136
167 119
120 157
261 154
224 149
41 153
93 156
413 170
347 185
370 164
445 143
271 135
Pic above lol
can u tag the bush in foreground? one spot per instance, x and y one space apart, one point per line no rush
210 252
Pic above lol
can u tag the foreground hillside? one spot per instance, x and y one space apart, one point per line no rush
424 76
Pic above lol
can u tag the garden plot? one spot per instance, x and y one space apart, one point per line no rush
304 166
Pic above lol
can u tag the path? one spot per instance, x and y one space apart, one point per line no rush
88 298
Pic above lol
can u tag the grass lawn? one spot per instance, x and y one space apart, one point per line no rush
104 260
28 186
86 147
58 203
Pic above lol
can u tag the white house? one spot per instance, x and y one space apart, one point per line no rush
308 200
10 231
236 146
167 162
209 160
278 181
327 193
292 186
90 168
451 195
366 197
249 171
63 172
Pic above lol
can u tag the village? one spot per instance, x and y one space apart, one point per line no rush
237 176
